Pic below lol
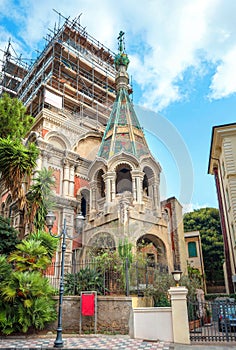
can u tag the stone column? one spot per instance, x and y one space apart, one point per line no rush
44 156
179 314
66 178
154 193
107 181
72 181
137 178
113 185
93 186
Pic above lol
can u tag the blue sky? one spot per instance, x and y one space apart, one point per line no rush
183 66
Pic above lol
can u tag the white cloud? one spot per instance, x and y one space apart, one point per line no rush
224 81
164 38
190 207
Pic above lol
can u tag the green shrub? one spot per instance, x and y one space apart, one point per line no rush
25 295
26 301
84 280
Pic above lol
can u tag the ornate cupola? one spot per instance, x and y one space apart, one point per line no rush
123 131
124 173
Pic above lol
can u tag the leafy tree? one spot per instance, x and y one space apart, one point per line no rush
207 222
14 121
8 236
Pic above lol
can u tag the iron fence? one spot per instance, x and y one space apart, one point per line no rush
212 321
121 278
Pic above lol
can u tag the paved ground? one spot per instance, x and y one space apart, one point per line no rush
83 342
101 342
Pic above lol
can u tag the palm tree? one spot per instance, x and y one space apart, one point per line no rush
16 165
46 241
39 199
26 301
30 256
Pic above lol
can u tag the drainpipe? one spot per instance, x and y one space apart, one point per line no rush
224 232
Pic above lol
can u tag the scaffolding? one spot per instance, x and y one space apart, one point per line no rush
13 71
74 73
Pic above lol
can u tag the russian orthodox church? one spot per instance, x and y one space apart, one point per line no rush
107 173
124 188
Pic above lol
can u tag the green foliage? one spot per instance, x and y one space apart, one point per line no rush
13 118
35 252
195 273
26 301
125 251
159 289
46 241
30 256
85 280
5 270
16 165
207 222
108 260
162 283
8 236
39 198
25 295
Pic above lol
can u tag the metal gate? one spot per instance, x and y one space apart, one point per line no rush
212 321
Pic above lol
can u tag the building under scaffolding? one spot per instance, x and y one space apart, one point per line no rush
73 73
69 90
110 177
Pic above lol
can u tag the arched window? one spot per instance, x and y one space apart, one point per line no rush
83 206
83 199
147 181
101 184
145 185
123 179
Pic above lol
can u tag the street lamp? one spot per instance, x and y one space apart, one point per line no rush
79 223
177 276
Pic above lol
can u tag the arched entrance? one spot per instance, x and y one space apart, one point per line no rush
153 250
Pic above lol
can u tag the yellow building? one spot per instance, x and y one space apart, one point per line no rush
194 252
222 164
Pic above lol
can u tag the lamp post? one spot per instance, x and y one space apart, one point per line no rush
177 276
79 222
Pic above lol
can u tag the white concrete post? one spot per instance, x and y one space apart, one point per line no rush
179 314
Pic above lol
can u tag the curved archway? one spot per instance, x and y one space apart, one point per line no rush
153 249
57 140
